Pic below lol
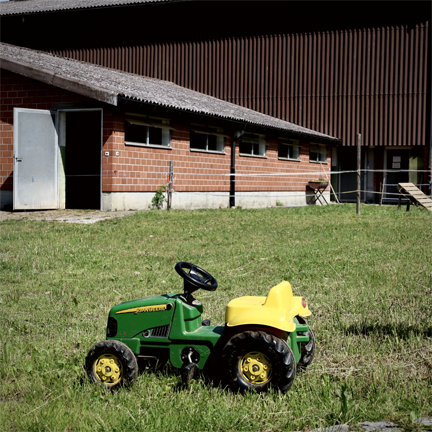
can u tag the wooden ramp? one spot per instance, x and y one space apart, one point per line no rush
415 195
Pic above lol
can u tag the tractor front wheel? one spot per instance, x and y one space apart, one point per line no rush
257 360
111 364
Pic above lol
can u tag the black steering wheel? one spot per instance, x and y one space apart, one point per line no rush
196 277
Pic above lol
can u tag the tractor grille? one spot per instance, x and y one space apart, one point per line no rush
111 327
162 331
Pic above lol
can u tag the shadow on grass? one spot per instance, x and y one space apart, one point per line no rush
400 330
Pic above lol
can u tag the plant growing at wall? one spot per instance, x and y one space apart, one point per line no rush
159 198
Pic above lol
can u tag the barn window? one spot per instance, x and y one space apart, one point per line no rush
208 139
147 131
288 149
317 153
253 145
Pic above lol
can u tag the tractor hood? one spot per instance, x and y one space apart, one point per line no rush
148 304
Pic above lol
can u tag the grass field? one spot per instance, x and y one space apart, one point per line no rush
367 279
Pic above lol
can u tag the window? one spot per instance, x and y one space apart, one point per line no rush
253 145
317 153
288 149
209 139
146 131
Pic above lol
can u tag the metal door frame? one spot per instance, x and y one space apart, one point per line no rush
385 171
61 133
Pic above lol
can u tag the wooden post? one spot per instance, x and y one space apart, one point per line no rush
358 171
382 189
170 185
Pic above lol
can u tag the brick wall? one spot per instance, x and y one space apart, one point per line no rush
145 169
294 175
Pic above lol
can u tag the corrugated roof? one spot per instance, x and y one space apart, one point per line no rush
38 6
109 85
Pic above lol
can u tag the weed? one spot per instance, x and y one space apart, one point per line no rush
159 198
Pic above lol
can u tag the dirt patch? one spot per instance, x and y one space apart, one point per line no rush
70 216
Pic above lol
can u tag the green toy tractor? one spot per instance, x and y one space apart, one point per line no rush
262 344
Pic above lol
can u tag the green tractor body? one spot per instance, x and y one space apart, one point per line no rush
163 326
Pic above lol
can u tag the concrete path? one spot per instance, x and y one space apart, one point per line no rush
70 216
424 422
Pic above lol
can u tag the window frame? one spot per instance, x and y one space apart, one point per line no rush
295 144
320 150
147 123
257 139
208 131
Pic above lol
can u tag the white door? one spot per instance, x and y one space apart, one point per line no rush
35 177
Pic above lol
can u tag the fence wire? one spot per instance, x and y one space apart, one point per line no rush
192 180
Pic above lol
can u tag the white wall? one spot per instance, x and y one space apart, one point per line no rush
119 201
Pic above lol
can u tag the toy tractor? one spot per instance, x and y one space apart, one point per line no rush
262 344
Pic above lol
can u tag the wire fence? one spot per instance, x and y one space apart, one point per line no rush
217 181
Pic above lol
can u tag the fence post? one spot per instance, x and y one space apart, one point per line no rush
170 185
358 171
382 188
381 193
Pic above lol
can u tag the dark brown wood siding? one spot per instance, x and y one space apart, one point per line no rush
371 80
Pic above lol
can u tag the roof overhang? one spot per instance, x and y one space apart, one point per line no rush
47 6
116 88
65 83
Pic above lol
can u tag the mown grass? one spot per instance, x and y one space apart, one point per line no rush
367 279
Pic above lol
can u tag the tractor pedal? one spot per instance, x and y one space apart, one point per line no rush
189 372
206 322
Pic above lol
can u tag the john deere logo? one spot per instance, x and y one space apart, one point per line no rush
137 310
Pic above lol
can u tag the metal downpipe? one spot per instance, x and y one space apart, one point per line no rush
232 171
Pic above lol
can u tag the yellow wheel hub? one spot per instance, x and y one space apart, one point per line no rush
108 369
256 368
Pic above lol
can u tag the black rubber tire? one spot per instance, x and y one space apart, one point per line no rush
124 355
307 348
276 351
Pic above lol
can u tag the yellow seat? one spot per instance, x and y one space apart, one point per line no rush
276 310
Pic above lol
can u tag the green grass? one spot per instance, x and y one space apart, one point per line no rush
367 279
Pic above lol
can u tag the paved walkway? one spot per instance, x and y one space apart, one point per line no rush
425 424
71 216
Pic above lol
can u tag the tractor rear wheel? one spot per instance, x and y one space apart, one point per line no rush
257 360
111 364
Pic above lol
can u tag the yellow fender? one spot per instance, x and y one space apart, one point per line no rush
276 310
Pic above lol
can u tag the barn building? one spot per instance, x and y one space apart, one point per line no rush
78 135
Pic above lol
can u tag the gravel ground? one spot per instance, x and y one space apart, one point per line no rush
70 216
